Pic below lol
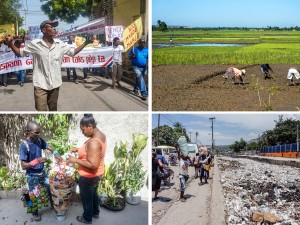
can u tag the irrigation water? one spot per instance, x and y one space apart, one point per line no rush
195 45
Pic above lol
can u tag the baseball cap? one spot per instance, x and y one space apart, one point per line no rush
52 23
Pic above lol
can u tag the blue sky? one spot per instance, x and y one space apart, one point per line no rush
227 13
35 16
227 127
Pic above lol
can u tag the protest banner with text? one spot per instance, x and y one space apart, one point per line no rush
88 57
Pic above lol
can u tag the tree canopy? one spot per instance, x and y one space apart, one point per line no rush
67 10
9 12
285 132
169 135
237 146
161 26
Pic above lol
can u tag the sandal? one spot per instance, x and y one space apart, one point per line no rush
82 220
155 198
37 218
183 199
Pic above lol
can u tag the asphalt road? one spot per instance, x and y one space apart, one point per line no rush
94 95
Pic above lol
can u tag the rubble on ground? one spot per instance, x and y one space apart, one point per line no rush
260 193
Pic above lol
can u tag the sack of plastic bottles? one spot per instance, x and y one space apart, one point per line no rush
183 147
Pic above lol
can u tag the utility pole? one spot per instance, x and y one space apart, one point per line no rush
157 142
212 133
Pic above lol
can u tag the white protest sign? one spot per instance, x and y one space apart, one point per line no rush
113 31
35 32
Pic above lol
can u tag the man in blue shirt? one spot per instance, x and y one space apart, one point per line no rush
139 57
33 162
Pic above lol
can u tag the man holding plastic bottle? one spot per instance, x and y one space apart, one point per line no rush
33 162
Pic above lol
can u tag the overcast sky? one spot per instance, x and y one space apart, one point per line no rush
227 127
227 13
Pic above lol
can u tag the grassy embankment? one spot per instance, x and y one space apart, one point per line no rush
274 47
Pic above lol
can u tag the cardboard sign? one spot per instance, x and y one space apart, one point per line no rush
132 33
7 29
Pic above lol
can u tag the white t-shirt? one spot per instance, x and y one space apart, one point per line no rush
183 168
117 53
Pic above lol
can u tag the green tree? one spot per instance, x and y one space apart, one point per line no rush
67 10
285 132
252 146
162 26
237 146
168 135
9 12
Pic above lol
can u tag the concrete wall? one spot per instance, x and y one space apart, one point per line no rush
117 127
126 11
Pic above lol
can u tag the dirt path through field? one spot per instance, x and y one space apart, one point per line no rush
200 88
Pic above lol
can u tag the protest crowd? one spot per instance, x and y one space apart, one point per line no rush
80 53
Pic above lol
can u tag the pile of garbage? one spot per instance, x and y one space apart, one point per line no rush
258 193
62 181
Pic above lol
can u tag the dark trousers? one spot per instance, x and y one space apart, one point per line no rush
74 73
89 196
45 99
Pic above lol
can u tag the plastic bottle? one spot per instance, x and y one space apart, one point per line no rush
183 145
26 197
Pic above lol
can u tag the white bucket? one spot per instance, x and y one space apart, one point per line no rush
60 217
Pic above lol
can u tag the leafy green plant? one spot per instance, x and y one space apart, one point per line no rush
125 172
9 181
57 126
135 177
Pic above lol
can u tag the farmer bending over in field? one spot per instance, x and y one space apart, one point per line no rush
293 71
266 69
232 73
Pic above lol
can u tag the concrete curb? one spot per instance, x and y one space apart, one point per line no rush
217 210
273 161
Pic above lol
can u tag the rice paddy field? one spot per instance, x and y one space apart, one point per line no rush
186 71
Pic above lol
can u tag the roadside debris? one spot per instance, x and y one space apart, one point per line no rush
258 193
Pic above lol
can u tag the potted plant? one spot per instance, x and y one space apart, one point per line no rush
134 181
109 188
118 176
135 176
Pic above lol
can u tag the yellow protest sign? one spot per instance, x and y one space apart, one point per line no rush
7 29
132 33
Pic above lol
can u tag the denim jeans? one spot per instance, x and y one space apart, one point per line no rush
74 73
89 196
40 178
85 72
21 75
140 73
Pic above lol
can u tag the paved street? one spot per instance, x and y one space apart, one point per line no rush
94 95
13 212
169 210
